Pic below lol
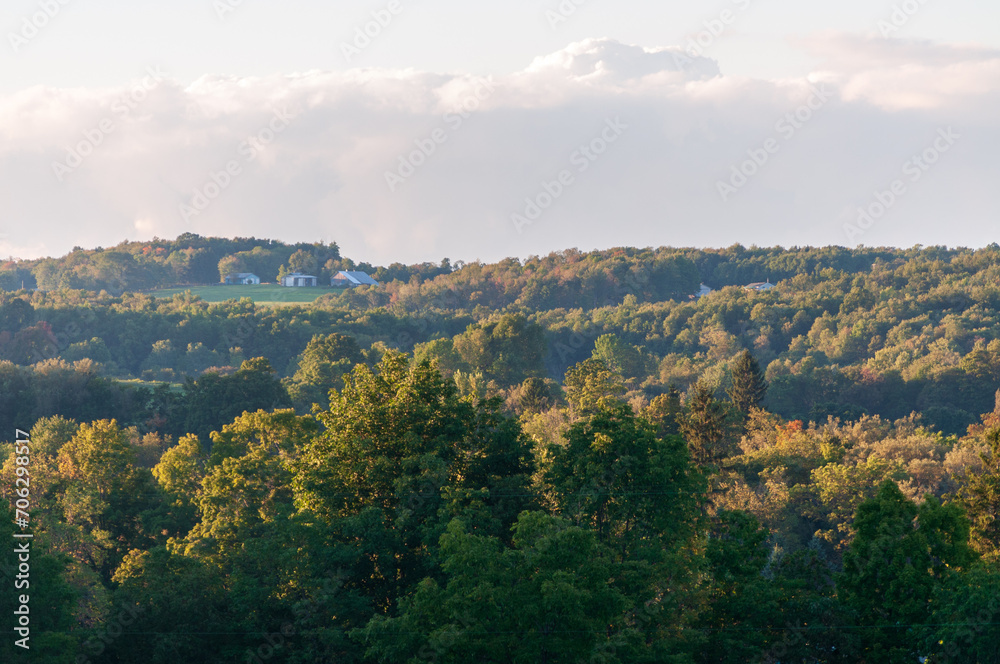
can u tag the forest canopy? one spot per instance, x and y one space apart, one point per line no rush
557 459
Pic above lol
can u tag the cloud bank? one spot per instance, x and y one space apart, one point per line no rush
409 165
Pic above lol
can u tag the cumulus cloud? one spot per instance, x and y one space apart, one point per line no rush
606 60
900 74
410 165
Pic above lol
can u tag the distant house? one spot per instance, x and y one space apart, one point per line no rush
296 280
350 279
242 279
702 292
760 286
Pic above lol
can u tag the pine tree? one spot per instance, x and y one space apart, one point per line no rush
707 424
749 387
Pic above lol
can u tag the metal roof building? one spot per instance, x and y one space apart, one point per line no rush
352 278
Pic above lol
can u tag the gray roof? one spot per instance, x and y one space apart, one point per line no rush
356 278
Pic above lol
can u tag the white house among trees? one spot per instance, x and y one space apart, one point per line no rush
242 278
759 286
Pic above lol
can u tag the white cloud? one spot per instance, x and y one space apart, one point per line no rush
324 175
899 75
603 60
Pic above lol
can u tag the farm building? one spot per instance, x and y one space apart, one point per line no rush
296 280
242 279
350 279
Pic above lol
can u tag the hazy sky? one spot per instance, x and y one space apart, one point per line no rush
483 129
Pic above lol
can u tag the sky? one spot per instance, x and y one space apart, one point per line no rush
413 130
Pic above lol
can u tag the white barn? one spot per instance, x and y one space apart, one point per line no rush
297 280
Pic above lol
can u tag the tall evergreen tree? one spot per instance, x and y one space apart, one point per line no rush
749 387
707 424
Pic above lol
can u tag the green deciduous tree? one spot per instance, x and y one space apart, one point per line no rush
901 554
635 490
176 608
104 495
965 626
179 474
620 357
402 448
443 354
981 498
533 396
641 496
304 262
664 410
231 265
591 386
507 349
321 368
548 598
215 400
837 490
742 604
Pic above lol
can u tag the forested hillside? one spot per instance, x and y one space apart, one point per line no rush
845 333
569 458
190 259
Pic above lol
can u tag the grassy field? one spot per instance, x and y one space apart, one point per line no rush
269 294
151 384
